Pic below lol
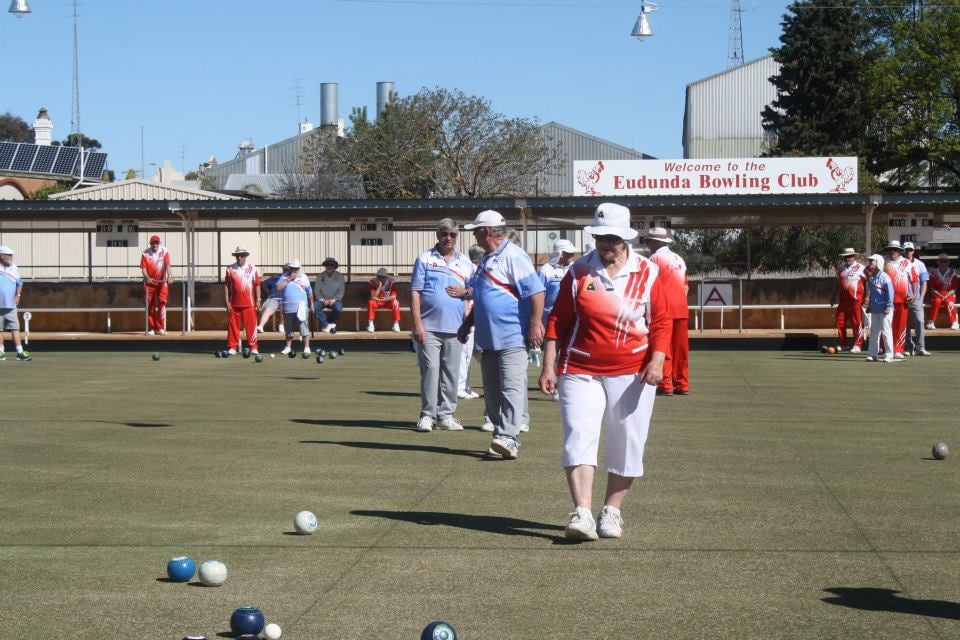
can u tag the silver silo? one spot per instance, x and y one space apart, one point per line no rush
328 104
385 93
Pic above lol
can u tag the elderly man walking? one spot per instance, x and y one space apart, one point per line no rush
673 280
11 288
505 281
436 318
916 339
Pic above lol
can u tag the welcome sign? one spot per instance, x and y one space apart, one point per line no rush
715 176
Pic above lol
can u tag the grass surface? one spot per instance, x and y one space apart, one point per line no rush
792 496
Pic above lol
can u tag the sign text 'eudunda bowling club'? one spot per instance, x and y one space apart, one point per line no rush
714 176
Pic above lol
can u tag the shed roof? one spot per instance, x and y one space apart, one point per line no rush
139 190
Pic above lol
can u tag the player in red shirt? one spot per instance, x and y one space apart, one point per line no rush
943 287
242 292
383 295
905 283
673 279
851 276
155 266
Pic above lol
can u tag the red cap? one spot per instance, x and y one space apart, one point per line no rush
154 239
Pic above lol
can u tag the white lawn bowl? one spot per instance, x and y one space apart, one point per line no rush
305 523
213 573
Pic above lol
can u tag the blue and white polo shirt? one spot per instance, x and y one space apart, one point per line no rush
502 284
432 274
9 281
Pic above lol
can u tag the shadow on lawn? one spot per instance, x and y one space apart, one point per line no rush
394 394
139 425
421 448
487 524
368 423
873 599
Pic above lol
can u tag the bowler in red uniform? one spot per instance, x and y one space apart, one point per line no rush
155 266
242 292
673 280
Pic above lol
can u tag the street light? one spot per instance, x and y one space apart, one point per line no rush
19 8
641 29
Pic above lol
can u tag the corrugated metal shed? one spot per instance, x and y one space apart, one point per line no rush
578 145
722 114
264 183
279 157
138 189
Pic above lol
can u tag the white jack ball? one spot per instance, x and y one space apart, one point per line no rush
213 573
272 632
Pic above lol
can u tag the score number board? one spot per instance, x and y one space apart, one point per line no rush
117 233
371 232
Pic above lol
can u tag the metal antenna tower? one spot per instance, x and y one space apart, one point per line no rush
75 108
735 36
296 96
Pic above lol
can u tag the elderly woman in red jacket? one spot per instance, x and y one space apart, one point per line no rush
606 341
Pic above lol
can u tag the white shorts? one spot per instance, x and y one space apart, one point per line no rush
272 303
622 403
9 320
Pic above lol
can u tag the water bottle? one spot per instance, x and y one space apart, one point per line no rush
535 356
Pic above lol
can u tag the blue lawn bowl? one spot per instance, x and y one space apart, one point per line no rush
247 620
342 351
218 353
438 630
181 569
320 358
246 352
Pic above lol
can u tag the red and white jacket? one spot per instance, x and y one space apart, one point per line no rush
941 282
850 284
904 277
609 326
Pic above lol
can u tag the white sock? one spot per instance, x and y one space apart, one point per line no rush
19 349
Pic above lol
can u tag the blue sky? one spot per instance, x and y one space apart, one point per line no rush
201 76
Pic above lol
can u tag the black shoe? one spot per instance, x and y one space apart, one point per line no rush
661 392
682 392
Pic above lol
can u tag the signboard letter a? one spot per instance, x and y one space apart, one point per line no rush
715 297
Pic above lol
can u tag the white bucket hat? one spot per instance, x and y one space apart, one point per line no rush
487 218
660 235
612 220
7 251
240 250
942 256
894 244
293 264
878 259
564 246
849 251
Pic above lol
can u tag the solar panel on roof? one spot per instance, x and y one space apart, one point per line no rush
45 157
7 149
94 165
24 158
66 161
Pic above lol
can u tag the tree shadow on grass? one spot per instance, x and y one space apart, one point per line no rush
486 524
366 423
874 599
390 446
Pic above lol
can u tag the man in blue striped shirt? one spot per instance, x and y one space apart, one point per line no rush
880 290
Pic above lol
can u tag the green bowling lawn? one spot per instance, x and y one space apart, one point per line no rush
791 496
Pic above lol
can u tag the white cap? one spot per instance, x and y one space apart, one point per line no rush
907 245
612 220
878 259
943 256
293 264
564 246
7 251
660 235
487 218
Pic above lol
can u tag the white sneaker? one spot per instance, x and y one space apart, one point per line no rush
254 352
871 359
285 351
332 327
524 428
451 424
955 326
150 332
488 427
611 523
888 359
232 352
505 446
582 526
855 350
898 356
467 395
259 329
280 328
930 325
370 328
396 327
923 352
161 333
425 424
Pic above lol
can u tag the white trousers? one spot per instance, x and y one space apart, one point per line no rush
623 403
881 324
466 355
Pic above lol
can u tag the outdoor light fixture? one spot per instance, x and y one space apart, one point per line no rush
19 8
641 29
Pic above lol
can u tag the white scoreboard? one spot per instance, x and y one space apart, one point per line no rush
371 232
117 233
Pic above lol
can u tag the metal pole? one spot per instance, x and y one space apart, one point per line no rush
350 263
740 280
700 296
89 256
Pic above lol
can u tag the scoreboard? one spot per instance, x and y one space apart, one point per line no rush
118 233
371 232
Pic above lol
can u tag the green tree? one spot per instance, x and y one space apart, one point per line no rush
820 107
44 193
130 175
14 129
88 143
914 87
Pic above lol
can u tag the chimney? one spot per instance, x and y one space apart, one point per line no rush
385 92
328 104
43 128
306 126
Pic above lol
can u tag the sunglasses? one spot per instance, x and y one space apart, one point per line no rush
447 234
608 238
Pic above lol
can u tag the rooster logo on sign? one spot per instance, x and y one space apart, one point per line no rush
589 179
841 176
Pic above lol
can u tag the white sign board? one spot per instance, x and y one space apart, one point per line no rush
117 233
714 176
716 295
371 232
915 227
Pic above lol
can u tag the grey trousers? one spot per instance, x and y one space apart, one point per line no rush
915 323
505 389
439 360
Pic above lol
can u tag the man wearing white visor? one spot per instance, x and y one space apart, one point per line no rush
505 289
606 342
